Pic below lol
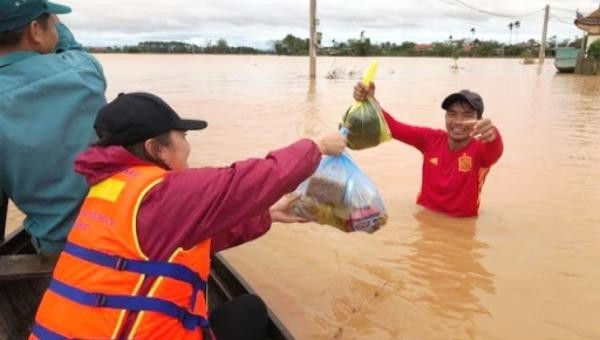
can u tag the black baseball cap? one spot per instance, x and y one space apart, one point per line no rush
474 99
135 117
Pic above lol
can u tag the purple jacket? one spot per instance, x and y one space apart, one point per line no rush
229 205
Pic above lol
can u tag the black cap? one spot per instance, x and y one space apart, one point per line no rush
135 117
472 98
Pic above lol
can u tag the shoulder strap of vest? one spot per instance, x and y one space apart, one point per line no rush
152 268
44 333
132 303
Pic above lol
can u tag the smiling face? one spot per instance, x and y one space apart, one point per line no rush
456 115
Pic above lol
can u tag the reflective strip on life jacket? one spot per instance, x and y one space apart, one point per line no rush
151 268
98 290
132 303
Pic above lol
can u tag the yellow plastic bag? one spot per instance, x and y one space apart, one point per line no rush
364 120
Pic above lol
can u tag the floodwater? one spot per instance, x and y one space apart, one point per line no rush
527 268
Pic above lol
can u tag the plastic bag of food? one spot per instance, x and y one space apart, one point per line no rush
365 120
341 195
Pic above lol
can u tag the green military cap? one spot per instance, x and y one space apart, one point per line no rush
17 13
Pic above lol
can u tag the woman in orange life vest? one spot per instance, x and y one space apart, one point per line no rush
136 262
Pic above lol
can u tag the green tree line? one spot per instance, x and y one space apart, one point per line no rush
292 45
220 47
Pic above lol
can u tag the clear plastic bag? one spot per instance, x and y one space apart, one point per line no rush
341 195
365 120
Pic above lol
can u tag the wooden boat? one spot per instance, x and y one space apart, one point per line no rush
24 275
565 59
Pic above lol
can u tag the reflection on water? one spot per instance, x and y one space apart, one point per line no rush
526 268
310 117
446 266
427 284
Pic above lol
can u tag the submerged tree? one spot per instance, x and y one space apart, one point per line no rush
291 45
361 47
456 55
527 56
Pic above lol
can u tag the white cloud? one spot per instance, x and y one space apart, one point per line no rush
256 22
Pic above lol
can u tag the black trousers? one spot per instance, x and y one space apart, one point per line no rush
243 318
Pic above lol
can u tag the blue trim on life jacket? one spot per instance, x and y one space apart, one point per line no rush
132 303
152 268
44 333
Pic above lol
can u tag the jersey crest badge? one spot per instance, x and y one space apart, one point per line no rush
465 163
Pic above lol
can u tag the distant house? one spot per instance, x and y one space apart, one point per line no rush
468 47
590 24
422 48
330 51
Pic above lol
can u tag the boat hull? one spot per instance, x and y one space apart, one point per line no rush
565 59
24 276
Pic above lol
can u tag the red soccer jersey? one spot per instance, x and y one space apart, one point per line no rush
452 179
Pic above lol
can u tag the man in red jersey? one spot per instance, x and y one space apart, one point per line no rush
455 161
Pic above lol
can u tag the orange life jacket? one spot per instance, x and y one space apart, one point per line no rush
97 279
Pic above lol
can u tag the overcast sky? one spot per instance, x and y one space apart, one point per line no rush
258 22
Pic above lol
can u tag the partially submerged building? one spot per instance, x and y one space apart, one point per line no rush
591 25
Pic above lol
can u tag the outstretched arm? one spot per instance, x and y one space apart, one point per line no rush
483 130
409 134
231 204
66 40
492 145
67 45
255 227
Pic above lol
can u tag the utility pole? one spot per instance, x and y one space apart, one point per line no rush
542 55
312 50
